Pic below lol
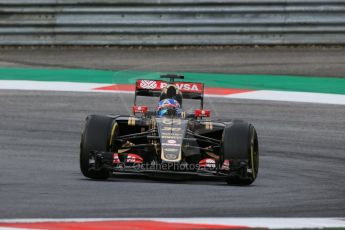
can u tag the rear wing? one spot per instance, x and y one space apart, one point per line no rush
153 88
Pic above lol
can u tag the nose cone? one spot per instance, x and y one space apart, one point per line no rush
171 132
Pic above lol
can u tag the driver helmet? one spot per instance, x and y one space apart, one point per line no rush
166 104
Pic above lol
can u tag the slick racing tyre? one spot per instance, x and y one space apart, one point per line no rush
95 137
240 146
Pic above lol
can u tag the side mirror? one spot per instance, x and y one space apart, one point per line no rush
202 113
139 109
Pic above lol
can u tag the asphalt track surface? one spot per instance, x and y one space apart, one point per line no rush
301 166
302 145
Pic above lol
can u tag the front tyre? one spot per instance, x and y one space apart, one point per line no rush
95 137
240 146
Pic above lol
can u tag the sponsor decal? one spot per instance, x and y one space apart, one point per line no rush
167 144
171 121
116 159
177 137
171 141
139 109
148 84
166 128
202 113
170 150
170 134
208 163
158 85
184 87
134 158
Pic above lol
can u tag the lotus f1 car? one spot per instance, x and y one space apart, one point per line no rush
173 144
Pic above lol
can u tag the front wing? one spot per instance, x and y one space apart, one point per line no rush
104 160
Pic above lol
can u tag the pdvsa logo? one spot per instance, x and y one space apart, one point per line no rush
183 86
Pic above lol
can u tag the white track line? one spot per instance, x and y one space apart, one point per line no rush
9 228
272 223
324 98
50 86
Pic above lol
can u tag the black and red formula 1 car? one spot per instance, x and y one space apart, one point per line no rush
170 143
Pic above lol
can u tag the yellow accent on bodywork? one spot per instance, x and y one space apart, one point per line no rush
153 124
131 121
112 133
208 125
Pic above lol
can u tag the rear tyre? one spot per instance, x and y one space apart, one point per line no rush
95 137
240 146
